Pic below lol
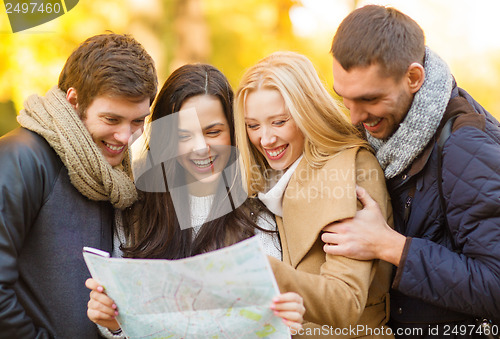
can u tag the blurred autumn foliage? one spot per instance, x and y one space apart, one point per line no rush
231 35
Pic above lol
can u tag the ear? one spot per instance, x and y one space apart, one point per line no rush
415 76
72 97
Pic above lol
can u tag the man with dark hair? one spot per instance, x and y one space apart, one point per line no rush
63 173
446 242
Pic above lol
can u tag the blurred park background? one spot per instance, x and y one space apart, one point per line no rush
234 34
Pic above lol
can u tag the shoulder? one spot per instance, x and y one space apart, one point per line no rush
26 152
366 159
470 115
473 131
368 168
30 169
360 159
470 160
343 159
348 166
23 142
470 133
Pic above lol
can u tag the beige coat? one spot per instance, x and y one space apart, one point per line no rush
340 295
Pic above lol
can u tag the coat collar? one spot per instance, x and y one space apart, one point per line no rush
273 199
313 199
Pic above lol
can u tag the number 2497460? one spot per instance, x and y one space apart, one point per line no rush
32 7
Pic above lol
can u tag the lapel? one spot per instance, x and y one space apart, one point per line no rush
284 244
313 199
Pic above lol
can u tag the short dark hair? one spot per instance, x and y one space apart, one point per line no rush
109 64
378 34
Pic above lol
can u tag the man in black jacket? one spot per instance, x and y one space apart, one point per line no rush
62 174
447 255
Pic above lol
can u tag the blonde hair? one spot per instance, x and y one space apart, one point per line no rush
326 129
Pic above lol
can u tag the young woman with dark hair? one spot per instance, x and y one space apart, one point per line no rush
191 195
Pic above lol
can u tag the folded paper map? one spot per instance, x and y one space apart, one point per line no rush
222 294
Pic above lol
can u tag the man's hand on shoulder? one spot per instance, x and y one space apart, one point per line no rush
367 236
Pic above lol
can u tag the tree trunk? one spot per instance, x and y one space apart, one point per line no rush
191 34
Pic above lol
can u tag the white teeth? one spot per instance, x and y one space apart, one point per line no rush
276 153
203 163
371 124
115 148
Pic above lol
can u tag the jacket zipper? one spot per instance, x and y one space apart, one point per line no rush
407 208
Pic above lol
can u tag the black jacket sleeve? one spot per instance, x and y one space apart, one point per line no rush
26 175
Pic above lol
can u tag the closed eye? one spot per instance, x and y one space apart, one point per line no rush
279 122
184 137
214 133
111 120
252 126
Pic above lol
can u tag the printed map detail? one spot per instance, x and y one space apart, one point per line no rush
221 294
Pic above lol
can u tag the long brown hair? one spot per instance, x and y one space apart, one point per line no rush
157 229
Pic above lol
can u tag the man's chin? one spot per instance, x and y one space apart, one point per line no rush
114 162
382 135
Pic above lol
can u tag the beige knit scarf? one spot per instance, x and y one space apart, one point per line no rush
55 119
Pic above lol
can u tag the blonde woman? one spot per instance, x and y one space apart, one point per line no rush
303 159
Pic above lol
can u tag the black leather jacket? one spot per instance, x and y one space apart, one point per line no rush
44 223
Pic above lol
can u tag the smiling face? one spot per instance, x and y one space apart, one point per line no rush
204 138
111 121
379 103
271 128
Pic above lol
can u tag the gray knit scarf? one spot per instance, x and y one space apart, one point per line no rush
421 122
56 121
